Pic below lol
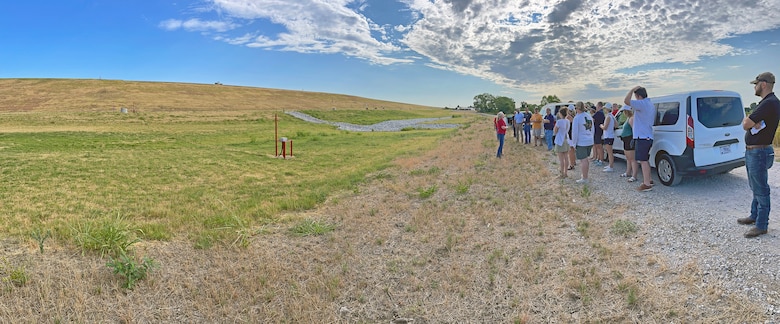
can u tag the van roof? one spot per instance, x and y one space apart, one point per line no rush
697 93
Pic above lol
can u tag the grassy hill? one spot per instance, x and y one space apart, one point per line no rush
43 95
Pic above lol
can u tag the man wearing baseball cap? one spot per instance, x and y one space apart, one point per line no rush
760 129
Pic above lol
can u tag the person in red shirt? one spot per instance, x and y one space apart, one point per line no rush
501 126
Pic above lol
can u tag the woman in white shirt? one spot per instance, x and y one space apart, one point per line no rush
609 138
561 131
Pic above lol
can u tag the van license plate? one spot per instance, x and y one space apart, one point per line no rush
725 149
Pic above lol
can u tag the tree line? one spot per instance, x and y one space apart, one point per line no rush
488 103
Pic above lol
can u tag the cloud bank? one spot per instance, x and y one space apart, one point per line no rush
526 44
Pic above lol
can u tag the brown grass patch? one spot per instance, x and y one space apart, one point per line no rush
512 247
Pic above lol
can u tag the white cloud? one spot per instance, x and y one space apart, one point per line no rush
197 25
569 44
315 26
534 45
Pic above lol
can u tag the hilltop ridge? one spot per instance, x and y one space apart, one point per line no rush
97 95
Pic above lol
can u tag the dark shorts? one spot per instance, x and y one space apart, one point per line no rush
583 152
643 149
609 141
597 138
628 143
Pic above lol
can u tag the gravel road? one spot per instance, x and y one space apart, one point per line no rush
385 126
696 221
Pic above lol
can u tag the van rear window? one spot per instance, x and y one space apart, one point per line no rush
720 111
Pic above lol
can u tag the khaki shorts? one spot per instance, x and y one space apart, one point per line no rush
562 148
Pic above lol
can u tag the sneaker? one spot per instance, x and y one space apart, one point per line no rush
582 181
746 221
632 179
598 163
608 169
753 232
644 187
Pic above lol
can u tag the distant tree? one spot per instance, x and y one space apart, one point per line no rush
549 99
488 103
485 103
505 104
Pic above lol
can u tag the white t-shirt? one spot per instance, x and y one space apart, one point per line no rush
582 129
644 118
563 131
610 131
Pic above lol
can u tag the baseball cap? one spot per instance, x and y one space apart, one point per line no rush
766 76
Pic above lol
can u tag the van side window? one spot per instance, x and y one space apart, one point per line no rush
667 113
720 111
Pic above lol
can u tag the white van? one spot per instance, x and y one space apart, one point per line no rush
554 107
695 133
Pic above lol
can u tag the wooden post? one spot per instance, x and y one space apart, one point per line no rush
276 135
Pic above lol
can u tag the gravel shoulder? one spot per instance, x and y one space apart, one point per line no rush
695 221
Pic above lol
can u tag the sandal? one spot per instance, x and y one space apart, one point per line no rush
571 167
623 175
632 179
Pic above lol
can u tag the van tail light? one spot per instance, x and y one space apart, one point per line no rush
689 133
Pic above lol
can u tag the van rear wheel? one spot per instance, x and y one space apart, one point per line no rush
667 171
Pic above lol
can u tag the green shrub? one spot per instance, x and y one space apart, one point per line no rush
40 237
129 268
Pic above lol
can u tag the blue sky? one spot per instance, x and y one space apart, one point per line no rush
432 52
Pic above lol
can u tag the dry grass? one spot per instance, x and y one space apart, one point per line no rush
485 247
49 95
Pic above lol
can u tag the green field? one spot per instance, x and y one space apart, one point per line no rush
200 175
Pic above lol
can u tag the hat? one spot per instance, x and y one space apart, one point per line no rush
571 107
626 107
766 76
609 105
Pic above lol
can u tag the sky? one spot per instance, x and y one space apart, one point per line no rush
439 53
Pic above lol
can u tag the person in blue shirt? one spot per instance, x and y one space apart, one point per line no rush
644 118
549 125
518 124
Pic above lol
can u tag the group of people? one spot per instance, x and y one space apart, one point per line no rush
583 136
587 135
530 127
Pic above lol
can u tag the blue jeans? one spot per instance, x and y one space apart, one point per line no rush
757 162
527 132
548 136
500 144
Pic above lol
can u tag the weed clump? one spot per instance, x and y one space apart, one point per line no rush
309 227
624 228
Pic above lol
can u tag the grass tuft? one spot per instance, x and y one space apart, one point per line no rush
310 227
624 228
